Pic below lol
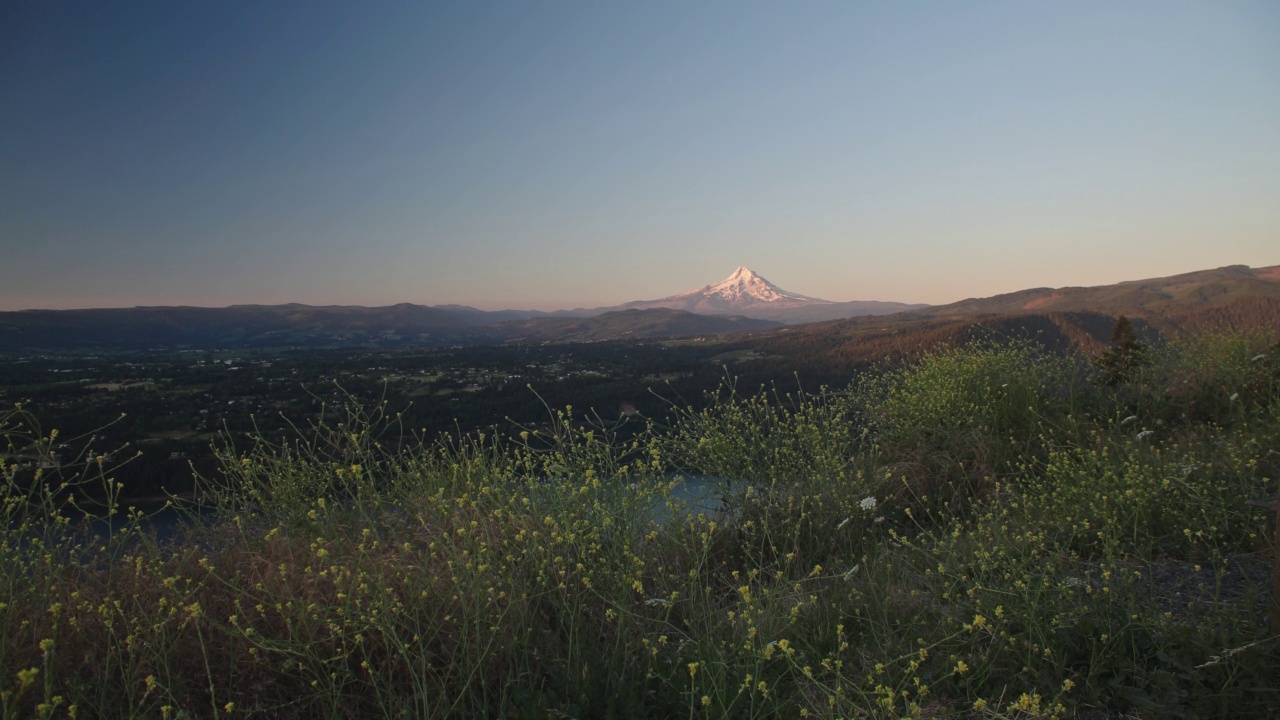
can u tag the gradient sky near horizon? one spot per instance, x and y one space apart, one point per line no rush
552 154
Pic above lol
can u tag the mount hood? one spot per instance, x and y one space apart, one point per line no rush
750 295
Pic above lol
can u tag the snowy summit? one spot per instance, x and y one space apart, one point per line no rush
746 293
743 292
744 286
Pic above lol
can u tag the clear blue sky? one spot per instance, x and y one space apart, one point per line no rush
554 154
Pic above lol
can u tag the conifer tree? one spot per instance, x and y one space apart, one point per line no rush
1119 363
1122 335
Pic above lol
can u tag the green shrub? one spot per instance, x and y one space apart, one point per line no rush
1217 377
956 419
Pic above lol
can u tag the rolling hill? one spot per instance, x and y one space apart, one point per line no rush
1065 318
1169 301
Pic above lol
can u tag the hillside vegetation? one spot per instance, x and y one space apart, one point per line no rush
990 531
1071 318
1164 299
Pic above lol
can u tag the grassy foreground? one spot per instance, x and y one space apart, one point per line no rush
990 532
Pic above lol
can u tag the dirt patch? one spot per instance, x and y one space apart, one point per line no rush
1037 302
1176 586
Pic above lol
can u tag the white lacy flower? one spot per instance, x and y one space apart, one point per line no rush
868 503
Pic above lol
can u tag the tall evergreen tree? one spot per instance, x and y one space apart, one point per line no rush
1122 335
1119 363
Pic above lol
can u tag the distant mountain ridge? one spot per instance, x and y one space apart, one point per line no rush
404 325
744 302
631 324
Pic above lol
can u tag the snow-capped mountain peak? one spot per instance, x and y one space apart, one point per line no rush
744 286
740 292
746 293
